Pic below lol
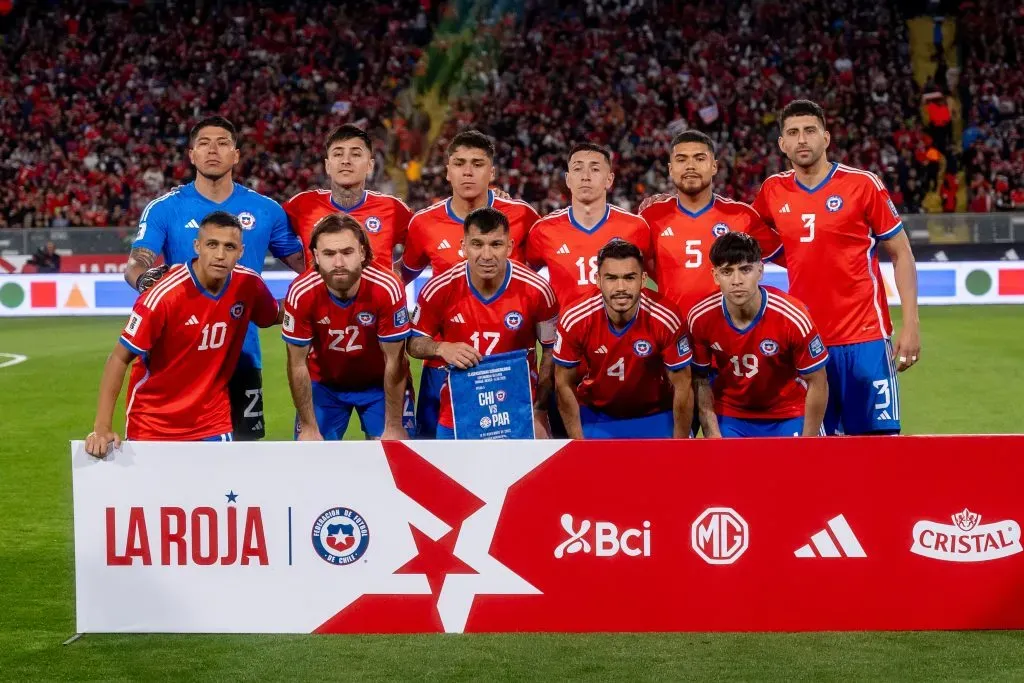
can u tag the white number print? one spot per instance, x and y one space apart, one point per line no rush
693 251
885 395
213 336
618 369
254 396
351 333
582 264
808 219
749 362
491 337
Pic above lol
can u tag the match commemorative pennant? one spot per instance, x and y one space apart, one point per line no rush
493 400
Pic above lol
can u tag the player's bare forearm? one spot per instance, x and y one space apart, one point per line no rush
396 374
814 404
545 379
301 385
139 261
907 347
114 371
682 403
568 406
705 398
423 348
296 261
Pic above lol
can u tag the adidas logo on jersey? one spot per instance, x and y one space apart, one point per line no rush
823 543
444 245
192 321
601 349
324 321
192 224
784 209
667 232
716 346
457 318
564 249
883 416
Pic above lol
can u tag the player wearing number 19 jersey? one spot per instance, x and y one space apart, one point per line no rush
831 219
637 382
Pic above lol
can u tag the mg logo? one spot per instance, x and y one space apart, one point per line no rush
606 539
719 536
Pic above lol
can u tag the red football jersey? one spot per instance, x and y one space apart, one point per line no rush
569 251
626 374
681 244
759 366
385 219
435 234
830 235
520 314
187 342
346 335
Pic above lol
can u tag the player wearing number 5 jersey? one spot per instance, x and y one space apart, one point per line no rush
185 335
345 323
771 361
637 382
485 305
831 219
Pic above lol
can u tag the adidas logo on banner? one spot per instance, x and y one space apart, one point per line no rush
601 349
716 346
824 543
457 318
444 245
324 320
884 415
667 232
564 249
192 224
192 321
784 209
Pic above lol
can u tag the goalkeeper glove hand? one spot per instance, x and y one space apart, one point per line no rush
149 278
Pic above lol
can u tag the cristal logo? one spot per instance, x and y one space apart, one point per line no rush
967 539
607 540
719 536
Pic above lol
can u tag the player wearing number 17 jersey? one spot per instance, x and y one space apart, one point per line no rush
770 359
831 219
637 382
185 335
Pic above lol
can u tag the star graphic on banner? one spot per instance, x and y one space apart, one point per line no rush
435 559
231 496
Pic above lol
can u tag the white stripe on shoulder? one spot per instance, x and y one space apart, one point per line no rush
795 314
300 285
239 268
660 307
666 200
166 195
443 280
391 197
673 325
582 312
859 171
543 287
429 208
788 314
619 209
381 279
709 304
581 305
167 283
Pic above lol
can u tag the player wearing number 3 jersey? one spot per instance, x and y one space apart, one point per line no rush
185 335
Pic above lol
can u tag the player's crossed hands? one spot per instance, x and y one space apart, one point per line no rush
98 444
460 354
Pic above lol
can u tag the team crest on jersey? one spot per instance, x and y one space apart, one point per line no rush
892 208
719 229
401 316
642 348
247 220
237 310
366 318
769 347
513 320
372 224
133 324
340 536
683 345
834 203
816 348
288 324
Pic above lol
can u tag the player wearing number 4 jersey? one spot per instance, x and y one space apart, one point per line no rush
185 335
770 359
345 323
637 382
831 219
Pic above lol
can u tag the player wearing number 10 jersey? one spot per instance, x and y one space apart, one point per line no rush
185 334
637 382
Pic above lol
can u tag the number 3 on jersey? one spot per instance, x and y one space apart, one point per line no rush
808 219
582 264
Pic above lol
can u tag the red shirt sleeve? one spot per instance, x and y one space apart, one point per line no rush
809 352
568 349
701 352
403 214
414 258
392 318
265 306
144 326
428 318
529 219
297 327
879 211
546 311
535 257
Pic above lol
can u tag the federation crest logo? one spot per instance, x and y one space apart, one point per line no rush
401 317
683 345
769 347
340 536
816 348
237 310
834 203
247 220
719 229
514 320
372 224
642 348
892 208
366 318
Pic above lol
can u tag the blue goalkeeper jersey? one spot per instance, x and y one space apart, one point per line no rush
170 224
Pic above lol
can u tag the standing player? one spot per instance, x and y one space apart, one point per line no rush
348 164
185 335
684 225
436 232
354 316
771 361
637 357
830 218
485 305
168 226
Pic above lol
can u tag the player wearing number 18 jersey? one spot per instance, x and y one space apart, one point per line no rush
637 382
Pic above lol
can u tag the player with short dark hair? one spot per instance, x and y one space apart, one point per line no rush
635 352
185 335
168 226
831 218
346 321
771 361
436 232
485 305
349 164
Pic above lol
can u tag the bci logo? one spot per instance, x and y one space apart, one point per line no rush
603 539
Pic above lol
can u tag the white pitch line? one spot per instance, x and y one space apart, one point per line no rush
15 358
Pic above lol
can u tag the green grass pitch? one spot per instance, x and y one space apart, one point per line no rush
968 381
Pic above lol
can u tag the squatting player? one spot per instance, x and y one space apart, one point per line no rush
346 322
169 224
771 360
831 218
637 382
185 335
485 305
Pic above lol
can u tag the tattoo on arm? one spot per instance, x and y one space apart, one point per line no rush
705 405
139 261
422 347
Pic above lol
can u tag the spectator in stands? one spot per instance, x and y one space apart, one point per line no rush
46 259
